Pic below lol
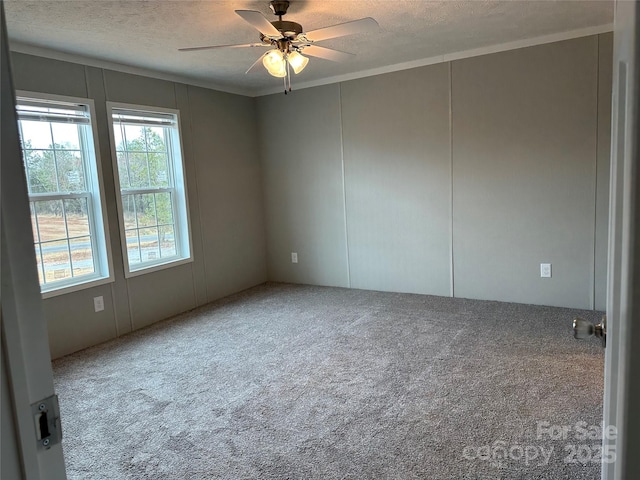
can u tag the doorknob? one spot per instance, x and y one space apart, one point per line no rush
584 329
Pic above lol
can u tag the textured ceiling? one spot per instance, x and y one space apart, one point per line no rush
147 33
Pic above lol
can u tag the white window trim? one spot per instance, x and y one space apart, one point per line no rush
128 273
102 236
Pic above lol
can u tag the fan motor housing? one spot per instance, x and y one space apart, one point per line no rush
289 29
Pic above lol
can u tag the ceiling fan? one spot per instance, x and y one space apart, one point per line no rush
288 41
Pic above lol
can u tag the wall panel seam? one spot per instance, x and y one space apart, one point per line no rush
195 167
595 174
192 265
86 80
113 306
344 186
111 285
123 254
263 194
451 258
129 305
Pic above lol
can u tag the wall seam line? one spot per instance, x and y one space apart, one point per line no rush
86 80
195 167
595 174
129 304
123 253
113 306
111 285
263 189
451 259
344 187
124 258
192 264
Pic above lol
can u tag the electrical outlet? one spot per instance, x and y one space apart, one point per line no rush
294 257
545 270
98 303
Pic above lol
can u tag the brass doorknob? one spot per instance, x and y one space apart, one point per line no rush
584 329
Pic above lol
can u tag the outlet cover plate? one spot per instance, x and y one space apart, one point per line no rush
545 270
98 303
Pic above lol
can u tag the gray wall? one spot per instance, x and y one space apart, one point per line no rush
397 164
451 179
304 201
225 200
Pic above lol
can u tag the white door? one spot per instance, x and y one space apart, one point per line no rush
622 363
28 449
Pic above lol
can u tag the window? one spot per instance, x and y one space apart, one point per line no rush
66 202
153 203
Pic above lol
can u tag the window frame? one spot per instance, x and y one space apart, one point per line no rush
95 195
181 212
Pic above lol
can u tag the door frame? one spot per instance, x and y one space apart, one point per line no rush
622 362
24 345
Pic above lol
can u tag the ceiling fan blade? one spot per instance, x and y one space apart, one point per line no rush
363 25
256 64
259 22
243 45
327 53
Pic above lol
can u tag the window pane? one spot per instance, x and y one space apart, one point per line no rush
150 250
59 161
117 136
146 210
164 208
155 139
158 170
129 211
70 171
41 171
34 225
167 241
50 220
135 138
65 136
133 246
36 134
154 222
77 217
82 256
57 265
123 170
138 171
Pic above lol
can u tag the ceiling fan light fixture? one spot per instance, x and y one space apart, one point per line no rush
288 39
274 62
297 61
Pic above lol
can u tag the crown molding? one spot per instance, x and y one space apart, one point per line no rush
120 67
28 49
501 47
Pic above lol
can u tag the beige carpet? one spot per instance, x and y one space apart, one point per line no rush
302 382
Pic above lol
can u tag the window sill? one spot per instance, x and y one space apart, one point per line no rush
157 266
64 290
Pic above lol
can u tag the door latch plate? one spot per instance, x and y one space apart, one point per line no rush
46 418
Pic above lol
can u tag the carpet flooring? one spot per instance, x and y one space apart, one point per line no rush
302 382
